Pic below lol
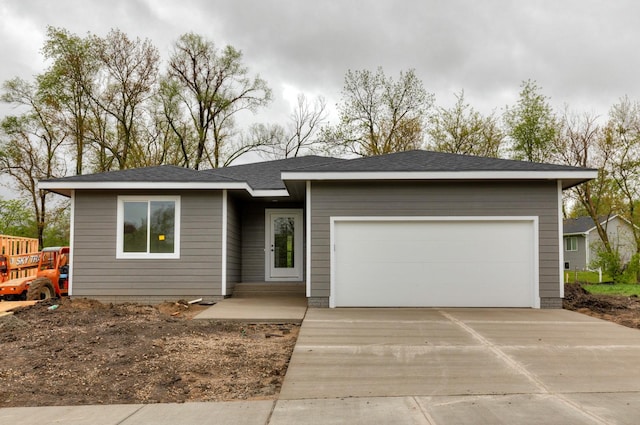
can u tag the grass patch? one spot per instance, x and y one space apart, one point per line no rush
584 277
617 289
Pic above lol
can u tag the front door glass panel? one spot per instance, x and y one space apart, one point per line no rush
283 247
284 242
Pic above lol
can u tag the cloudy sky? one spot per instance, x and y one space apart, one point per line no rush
582 53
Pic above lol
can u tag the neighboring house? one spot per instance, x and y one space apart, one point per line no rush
406 229
582 241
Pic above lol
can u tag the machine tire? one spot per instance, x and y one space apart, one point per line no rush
40 289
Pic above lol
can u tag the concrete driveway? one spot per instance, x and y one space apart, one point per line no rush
461 366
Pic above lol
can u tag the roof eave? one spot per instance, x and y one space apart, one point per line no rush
65 188
568 178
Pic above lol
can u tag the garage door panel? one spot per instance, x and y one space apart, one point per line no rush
474 285
434 263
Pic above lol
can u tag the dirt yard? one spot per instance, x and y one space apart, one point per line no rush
85 352
619 309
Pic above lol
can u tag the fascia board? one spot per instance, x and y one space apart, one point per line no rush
64 186
440 175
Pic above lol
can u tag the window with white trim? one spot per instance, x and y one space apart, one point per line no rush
571 243
148 227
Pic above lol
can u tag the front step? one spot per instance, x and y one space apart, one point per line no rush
255 290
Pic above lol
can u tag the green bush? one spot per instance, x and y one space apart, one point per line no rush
630 272
612 265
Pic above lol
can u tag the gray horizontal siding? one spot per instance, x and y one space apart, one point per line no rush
253 233
576 259
330 199
97 272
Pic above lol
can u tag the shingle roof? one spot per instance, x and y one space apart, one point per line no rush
581 224
420 161
160 173
266 175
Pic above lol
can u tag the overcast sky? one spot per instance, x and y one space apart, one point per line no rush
582 53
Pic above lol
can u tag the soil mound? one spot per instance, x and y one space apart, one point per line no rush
619 309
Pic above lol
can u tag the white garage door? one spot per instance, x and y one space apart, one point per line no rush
434 263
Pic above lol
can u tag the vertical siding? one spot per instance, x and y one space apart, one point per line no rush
435 199
234 245
97 273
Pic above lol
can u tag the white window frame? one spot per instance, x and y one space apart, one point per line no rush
574 244
120 254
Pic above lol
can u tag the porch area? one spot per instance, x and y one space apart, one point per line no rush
261 303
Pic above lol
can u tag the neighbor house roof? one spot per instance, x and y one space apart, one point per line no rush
582 225
267 178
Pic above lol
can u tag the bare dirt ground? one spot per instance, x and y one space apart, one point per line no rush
619 309
85 352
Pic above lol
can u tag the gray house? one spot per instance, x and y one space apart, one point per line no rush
582 242
406 229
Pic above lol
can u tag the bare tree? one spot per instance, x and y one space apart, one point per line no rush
206 88
581 142
622 138
379 115
129 73
29 146
299 137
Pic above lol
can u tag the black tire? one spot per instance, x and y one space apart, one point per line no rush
40 289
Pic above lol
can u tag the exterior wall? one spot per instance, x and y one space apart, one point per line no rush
98 274
252 242
577 259
435 199
234 245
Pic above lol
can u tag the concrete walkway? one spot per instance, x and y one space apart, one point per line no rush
272 309
423 366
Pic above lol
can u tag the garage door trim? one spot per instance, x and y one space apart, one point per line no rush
535 296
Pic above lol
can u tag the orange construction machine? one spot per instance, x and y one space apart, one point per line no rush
19 257
49 278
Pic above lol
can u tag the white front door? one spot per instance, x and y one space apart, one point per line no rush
283 250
